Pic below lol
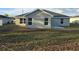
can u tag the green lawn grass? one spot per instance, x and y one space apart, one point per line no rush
15 38
73 26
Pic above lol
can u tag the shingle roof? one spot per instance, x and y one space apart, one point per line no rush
54 13
50 12
22 14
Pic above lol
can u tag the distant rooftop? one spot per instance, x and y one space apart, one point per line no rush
4 16
75 16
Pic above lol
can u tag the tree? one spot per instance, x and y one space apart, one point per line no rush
6 14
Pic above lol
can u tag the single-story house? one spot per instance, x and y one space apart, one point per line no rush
41 18
74 19
5 20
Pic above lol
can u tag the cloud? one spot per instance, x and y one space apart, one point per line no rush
67 11
22 10
17 11
77 10
72 11
58 10
8 11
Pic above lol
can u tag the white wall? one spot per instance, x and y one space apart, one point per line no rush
38 20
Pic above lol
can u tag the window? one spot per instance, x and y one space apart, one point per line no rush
62 21
22 20
29 21
46 21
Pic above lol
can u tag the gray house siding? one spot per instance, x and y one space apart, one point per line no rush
5 21
57 21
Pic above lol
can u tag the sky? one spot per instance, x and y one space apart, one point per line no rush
18 11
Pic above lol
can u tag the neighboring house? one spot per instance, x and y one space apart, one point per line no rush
41 18
74 19
18 20
5 20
